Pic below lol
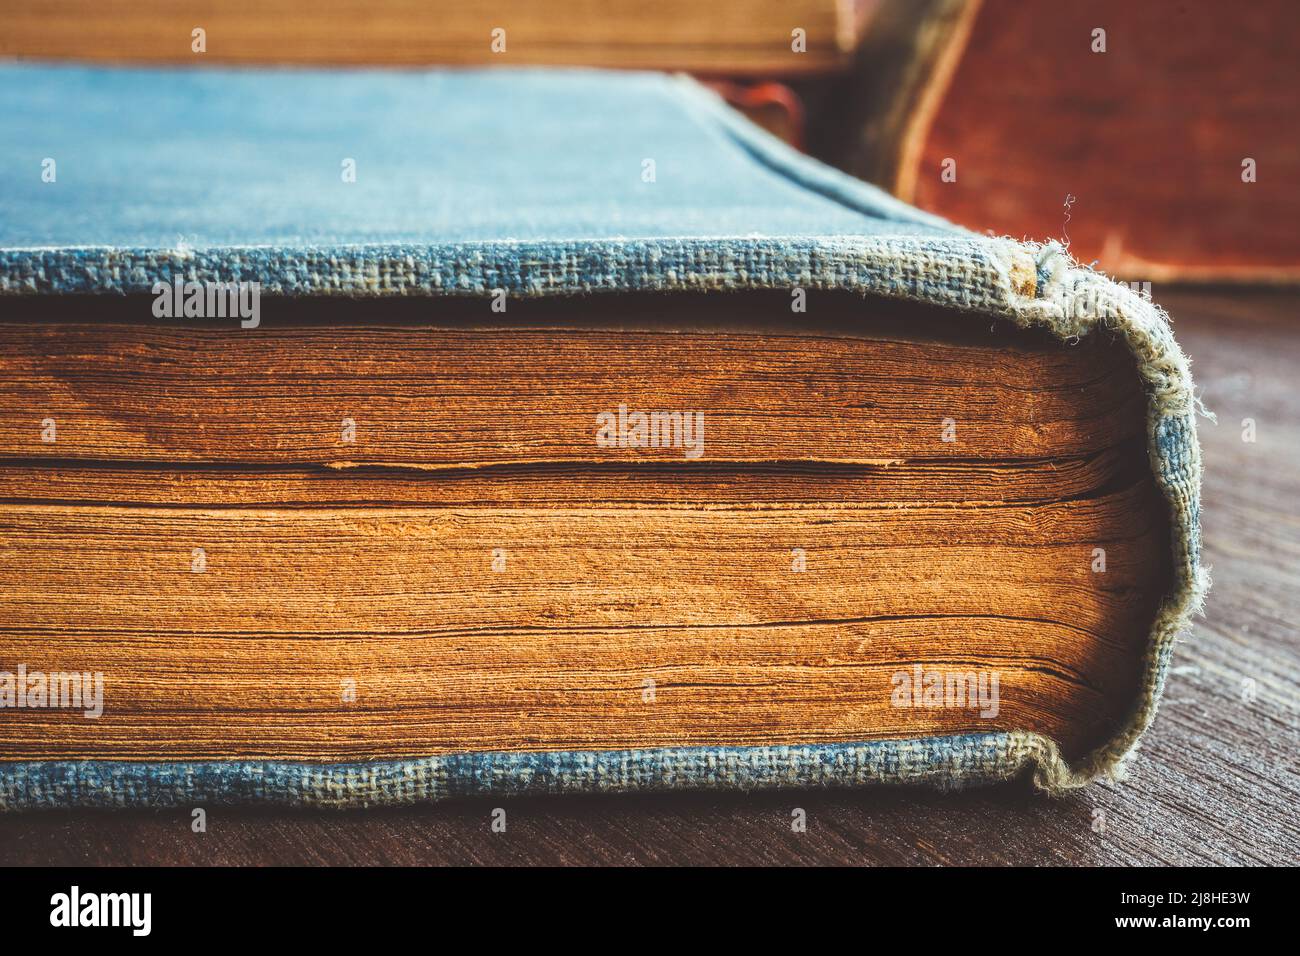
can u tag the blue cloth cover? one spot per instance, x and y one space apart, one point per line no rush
534 182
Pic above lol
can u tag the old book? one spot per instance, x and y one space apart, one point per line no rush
1153 139
737 38
343 465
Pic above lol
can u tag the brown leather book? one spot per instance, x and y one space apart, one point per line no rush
764 38
1156 139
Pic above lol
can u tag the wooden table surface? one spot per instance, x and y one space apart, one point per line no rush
1217 779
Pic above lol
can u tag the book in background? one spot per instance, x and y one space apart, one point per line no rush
1144 135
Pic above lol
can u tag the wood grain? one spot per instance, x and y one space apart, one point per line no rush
1147 139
